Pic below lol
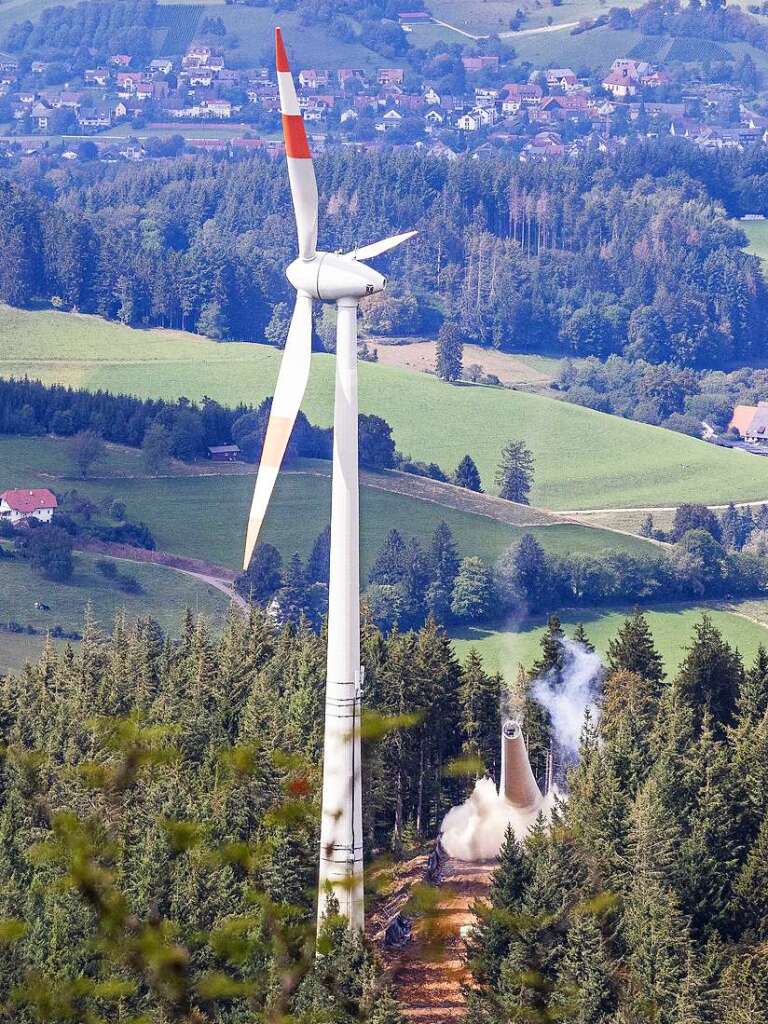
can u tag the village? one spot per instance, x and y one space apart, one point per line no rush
554 113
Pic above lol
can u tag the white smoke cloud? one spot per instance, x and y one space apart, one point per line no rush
568 695
475 829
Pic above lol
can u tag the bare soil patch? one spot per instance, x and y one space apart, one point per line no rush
430 972
420 356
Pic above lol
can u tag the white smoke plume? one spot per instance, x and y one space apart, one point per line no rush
568 695
475 829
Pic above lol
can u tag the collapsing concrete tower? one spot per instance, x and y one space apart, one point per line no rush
518 786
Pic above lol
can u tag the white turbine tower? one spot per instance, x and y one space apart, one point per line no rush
343 279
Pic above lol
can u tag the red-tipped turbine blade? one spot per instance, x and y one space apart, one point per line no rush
289 391
301 173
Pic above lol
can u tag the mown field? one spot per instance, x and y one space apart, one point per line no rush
306 44
204 516
494 15
519 370
165 595
584 459
596 49
508 646
757 233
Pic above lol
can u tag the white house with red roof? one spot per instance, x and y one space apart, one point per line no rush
38 503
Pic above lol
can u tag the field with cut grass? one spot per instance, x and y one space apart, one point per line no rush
517 370
495 15
584 459
254 29
204 516
165 595
596 49
503 649
757 233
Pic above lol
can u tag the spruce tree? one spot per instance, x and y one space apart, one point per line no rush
450 350
633 649
710 675
443 566
479 696
319 561
585 987
514 477
467 475
389 566
750 892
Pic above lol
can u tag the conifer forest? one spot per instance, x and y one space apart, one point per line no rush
633 254
159 830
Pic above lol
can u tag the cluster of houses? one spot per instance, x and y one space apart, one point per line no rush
552 114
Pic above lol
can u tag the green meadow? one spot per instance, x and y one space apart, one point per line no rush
204 516
508 646
757 234
165 594
584 459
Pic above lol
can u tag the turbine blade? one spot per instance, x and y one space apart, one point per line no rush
289 391
367 252
301 172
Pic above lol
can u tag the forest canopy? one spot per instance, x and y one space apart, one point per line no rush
634 254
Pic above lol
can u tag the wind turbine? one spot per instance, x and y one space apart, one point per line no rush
343 279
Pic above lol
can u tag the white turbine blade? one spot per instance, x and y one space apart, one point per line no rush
301 172
367 252
289 391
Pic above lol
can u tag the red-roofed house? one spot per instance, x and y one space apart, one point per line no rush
390 76
474 64
621 83
38 503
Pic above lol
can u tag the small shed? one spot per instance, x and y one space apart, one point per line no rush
224 453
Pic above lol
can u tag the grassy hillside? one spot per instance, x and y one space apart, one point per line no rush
204 516
165 595
584 459
757 233
672 627
596 49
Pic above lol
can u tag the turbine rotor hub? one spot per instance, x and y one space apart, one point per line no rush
330 276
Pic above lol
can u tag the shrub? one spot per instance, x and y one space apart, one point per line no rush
129 584
106 568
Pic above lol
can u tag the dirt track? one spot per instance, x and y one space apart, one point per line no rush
429 972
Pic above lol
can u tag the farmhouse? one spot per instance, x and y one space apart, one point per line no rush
38 503
224 452
751 422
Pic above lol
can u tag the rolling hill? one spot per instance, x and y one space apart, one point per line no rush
203 516
584 459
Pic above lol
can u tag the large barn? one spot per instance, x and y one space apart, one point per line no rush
751 422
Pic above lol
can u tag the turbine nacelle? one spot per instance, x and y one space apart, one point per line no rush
331 276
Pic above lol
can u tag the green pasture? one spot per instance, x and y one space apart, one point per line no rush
757 233
165 595
491 16
12 11
595 49
504 648
254 28
584 459
204 516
